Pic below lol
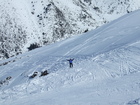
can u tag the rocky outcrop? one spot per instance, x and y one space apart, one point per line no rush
47 21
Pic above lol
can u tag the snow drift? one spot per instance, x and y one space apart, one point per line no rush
32 22
106 69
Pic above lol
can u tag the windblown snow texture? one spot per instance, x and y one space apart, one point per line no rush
28 23
106 69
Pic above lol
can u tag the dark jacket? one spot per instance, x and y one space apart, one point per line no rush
70 60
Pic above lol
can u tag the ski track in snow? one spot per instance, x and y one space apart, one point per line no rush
105 76
77 75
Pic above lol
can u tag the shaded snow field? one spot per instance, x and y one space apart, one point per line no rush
106 69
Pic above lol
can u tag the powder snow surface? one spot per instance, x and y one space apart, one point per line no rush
106 69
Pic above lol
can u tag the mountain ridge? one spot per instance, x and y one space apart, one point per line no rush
106 66
43 22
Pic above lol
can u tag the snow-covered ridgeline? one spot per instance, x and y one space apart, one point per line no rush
36 23
106 66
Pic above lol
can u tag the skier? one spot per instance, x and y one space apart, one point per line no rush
70 62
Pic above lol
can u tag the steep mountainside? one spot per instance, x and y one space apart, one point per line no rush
106 69
32 23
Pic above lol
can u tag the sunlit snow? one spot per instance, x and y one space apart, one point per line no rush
106 69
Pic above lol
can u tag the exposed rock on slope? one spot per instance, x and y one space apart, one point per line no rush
32 22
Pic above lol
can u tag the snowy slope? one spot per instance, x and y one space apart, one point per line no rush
106 69
41 22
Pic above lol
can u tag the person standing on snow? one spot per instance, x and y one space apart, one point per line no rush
70 62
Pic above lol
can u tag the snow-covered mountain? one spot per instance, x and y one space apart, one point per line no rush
106 69
27 24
